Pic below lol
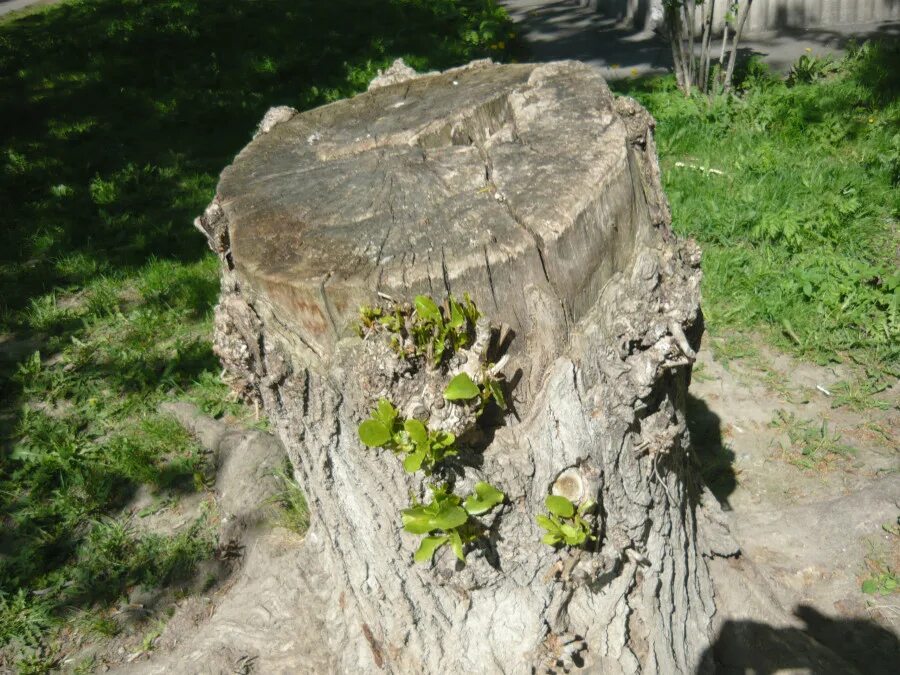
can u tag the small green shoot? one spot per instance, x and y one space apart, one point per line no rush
881 584
422 448
565 524
461 388
445 520
423 329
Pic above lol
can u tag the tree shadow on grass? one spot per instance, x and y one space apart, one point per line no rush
118 115
115 120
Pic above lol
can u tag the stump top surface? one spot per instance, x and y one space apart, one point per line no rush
441 172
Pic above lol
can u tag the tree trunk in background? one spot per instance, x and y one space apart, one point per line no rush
531 188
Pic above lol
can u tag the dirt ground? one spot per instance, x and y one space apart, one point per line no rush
811 527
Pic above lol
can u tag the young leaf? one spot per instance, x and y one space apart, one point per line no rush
442 439
417 431
547 523
485 498
571 533
449 517
426 308
385 413
427 548
586 506
457 545
461 388
869 586
374 434
413 461
417 520
560 506
497 392
551 539
457 317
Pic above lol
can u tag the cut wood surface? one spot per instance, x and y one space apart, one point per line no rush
533 189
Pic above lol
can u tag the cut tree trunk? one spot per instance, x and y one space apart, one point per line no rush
534 190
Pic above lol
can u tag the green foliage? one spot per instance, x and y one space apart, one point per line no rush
884 583
446 519
420 447
485 497
424 329
810 445
798 228
564 524
23 620
293 512
810 68
461 388
448 516
859 394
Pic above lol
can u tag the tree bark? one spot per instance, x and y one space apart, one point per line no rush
532 189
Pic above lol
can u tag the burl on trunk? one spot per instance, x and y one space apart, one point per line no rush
535 191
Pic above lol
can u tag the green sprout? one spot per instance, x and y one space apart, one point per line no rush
422 448
565 525
446 519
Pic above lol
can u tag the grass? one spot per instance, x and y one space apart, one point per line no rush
881 576
809 444
799 229
292 512
116 117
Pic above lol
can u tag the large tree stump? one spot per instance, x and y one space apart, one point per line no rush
536 191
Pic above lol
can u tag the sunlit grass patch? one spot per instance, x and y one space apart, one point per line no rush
809 444
799 221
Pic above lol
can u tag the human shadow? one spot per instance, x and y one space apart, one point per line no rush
824 646
716 458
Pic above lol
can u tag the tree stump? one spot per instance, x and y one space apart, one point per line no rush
534 190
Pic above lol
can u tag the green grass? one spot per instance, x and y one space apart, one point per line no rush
799 230
809 443
292 512
116 117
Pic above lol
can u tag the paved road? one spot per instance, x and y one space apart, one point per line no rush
567 29
7 6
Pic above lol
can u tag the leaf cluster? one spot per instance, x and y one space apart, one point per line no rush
884 583
446 519
421 447
565 525
424 329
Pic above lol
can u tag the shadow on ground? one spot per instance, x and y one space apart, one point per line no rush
715 456
571 29
111 135
824 646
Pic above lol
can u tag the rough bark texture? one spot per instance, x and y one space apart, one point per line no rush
534 190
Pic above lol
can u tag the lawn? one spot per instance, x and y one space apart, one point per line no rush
116 117
793 191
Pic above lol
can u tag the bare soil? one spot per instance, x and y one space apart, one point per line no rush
791 601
